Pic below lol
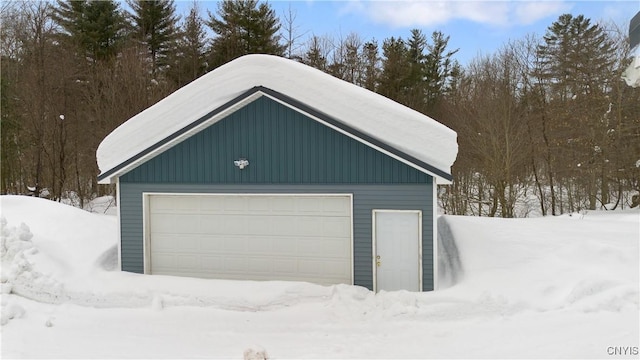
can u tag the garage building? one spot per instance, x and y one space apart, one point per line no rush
267 169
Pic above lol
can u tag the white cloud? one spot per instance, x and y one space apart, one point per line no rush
530 12
618 14
410 13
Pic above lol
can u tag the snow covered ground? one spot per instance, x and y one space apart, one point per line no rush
555 287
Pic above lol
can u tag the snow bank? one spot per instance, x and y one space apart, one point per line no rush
511 288
373 114
587 262
66 255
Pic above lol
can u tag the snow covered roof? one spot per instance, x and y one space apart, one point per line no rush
375 120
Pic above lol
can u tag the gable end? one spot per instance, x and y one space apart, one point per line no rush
241 101
282 145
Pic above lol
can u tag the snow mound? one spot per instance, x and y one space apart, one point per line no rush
561 287
587 263
487 266
67 255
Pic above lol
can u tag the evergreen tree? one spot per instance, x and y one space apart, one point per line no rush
95 27
371 63
315 54
416 73
189 59
416 60
155 24
575 68
439 68
395 70
576 56
243 27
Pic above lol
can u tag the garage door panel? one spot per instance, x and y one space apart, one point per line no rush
310 226
163 205
259 225
259 264
165 260
190 204
259 237
212 263
234 204
234 224
176 243
286 267
210 223
318 268
261 245
212 244
235 263
309 205
282 205
258 205
282 225
188 262
210 206
162 223
234 244
334 247
334 206
335 226
285 246
174 223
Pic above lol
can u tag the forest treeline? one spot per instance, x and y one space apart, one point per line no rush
544 123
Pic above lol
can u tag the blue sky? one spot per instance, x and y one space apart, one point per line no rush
475 27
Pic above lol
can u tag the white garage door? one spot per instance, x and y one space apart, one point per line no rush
252 237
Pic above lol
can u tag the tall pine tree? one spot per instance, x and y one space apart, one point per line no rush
439 69
155 23
188 61
243 27
575 68
95 27
371 65
416 60
315 54
395 70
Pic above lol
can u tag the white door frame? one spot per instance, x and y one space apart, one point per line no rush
146 231
374 240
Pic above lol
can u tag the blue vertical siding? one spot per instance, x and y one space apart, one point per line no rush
282 146
366 198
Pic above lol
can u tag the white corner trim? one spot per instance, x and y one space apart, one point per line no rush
146 233
374 267
435 234
119 225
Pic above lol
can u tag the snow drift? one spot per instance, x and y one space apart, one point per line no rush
551 287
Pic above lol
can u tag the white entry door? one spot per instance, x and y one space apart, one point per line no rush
397 257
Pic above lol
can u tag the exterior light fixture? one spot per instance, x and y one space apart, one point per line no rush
241 163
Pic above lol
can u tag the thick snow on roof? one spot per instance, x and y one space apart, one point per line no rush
383 119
